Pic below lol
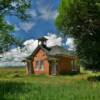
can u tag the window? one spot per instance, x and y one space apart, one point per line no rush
42 66
39 65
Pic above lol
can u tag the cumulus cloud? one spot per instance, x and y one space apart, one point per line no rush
70 44
46 11
53 40
18 54
48 15
31 44
26 26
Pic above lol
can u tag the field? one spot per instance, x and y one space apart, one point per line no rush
15 85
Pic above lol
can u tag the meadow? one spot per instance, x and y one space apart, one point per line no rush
16 85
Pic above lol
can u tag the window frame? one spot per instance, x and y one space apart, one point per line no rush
40 65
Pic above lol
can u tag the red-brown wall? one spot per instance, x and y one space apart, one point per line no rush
64 65
41 55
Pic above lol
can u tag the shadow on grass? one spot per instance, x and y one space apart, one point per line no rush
70 73
11 88
93 78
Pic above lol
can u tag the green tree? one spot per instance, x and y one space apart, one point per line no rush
11 8
80 19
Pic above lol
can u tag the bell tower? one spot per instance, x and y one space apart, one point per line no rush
42 41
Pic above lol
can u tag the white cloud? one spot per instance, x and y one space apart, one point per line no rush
26 26
53 40
16 55
46 11
31 44
48 15
70 43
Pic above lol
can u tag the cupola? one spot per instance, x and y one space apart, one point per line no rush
42 41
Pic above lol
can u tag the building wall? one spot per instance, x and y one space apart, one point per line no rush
41 56
64 65
29 67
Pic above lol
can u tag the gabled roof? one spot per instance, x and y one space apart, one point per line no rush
57 50
53 51
43 47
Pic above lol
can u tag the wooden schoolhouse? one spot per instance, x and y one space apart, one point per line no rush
53 60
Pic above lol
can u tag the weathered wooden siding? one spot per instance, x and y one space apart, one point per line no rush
64 65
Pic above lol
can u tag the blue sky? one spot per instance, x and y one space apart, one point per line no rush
43 14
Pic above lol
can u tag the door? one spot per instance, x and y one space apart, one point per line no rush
54 69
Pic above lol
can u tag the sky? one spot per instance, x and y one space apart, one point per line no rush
15 56
44 13
42 23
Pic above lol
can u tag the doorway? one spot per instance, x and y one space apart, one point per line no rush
54 69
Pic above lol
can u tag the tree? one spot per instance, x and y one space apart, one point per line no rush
80 19
11 8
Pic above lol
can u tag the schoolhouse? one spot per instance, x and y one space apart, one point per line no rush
53 60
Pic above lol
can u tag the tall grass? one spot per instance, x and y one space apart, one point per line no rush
22 87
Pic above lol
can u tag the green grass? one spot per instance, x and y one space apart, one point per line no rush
15 85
